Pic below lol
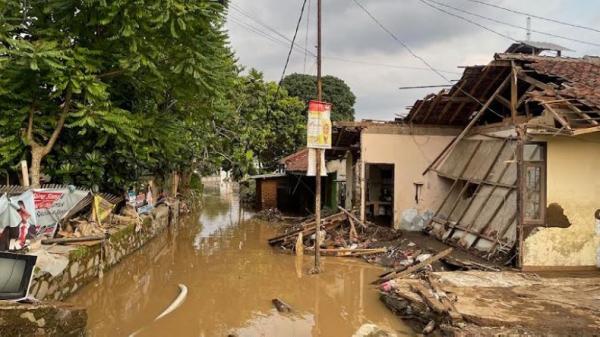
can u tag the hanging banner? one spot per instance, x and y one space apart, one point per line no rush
318 129
101 209
312 164
51 205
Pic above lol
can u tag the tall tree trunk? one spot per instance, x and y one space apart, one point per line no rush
37 154
39 151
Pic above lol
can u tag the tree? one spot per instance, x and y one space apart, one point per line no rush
335 91
262 125
105 71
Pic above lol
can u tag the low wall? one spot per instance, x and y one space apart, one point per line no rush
86 263
41 319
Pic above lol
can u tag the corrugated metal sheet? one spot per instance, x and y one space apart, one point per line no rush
479 212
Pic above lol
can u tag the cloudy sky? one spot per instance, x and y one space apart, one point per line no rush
374 65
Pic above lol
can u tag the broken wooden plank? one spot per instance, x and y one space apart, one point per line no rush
429 298
401 272
307 227
74 240
350 215
349 251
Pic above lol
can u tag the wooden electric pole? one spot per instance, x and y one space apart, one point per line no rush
318 151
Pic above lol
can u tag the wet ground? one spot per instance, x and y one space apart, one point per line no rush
232 276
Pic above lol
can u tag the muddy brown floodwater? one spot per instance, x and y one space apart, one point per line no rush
232 275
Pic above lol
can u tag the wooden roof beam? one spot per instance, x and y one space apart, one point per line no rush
449 104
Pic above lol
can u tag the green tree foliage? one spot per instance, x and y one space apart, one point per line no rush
335 91
100 92
264 125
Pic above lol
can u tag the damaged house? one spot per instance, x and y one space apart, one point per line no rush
503 164
520 178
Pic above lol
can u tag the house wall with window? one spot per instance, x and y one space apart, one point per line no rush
410 150
569 237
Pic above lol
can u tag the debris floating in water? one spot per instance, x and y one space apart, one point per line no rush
183 290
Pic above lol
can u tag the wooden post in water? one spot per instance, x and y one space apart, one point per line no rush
318 151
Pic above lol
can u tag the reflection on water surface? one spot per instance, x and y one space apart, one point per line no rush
232 275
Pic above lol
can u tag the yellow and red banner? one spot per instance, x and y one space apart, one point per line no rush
101 209
318 129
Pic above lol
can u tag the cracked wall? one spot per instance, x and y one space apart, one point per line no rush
573 183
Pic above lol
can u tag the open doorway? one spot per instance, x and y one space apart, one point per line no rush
379 202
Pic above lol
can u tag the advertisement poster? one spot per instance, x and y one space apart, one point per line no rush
19 211
53 204
318 130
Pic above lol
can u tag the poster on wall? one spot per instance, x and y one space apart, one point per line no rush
19 211
51 205
318 129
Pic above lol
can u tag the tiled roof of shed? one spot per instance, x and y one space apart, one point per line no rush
296 162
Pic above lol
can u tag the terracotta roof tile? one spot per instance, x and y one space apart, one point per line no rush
296 162
582 76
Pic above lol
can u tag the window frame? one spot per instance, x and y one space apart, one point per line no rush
542 165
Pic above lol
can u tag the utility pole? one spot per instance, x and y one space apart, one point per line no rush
318 151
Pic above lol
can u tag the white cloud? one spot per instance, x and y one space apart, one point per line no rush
444 41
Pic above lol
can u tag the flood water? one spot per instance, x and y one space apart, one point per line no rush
232 275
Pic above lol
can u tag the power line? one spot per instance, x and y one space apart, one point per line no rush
468 20
306 35
403 44
287 61
243 12
513 25
535 16
429 66
386 65
262 33
249 16
426 86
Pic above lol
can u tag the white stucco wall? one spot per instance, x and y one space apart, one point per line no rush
410 154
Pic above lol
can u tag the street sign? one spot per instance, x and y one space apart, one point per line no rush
318 130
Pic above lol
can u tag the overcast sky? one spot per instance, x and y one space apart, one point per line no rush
381 65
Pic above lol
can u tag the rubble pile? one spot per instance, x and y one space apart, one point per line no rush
87 225
477 303
344 235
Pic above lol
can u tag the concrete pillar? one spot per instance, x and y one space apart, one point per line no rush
349 180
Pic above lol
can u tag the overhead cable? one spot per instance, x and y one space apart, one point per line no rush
513 25
469 21
287 61
403 44
536 16
258 31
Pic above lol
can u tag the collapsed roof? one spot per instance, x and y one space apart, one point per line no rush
565 91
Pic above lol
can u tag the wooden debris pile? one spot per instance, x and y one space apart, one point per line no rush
477 303
342 235
84 227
